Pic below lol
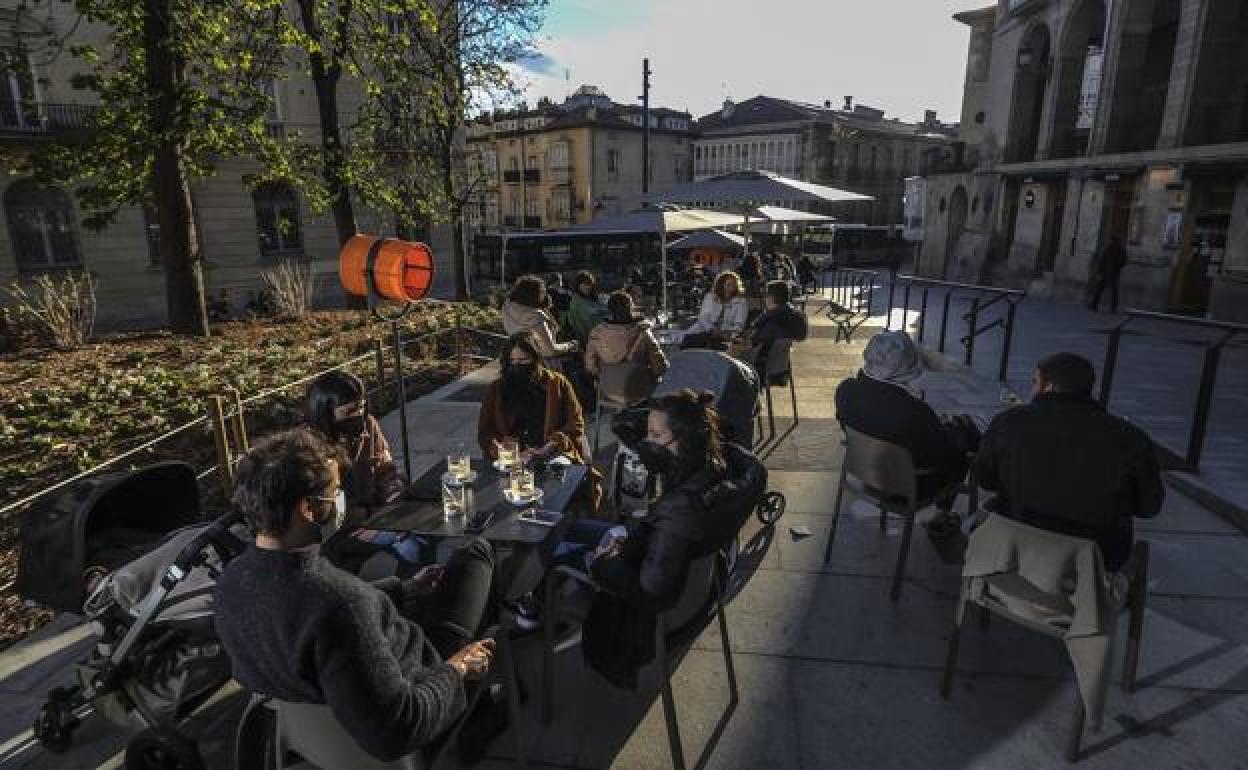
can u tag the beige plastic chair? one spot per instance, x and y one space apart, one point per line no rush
708 579
620 385
311 731
885 474
1008 587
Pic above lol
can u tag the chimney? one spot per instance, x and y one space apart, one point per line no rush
929 117
728 108
849 104
827 104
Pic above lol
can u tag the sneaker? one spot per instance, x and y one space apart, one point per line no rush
527 611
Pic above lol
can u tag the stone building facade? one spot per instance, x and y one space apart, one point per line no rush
1086 120
854 148
240 236
561 165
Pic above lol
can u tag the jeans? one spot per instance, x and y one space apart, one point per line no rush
453 616
582 538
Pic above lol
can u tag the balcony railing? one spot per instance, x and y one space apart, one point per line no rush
560 176
44 119
533 223
511 177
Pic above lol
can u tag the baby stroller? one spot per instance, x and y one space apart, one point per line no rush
735 386
129 551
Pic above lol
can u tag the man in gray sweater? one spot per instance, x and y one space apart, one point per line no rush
299 629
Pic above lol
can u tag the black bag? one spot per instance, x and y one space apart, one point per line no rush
103 521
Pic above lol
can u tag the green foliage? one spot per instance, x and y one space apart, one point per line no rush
58 308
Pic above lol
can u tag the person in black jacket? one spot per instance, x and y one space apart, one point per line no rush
1107 274
881 403
299 629
1063 464
778 321
708 489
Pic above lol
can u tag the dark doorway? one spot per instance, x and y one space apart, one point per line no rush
1050 240
1204 243
1030 86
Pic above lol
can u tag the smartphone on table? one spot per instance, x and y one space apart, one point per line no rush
544 518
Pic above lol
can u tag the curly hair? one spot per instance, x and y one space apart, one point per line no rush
694 423
529 290
720 287
278 472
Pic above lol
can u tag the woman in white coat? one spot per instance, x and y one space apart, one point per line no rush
723 315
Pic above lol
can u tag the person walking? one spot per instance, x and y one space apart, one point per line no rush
1108 270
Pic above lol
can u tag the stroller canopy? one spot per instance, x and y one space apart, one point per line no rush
734 384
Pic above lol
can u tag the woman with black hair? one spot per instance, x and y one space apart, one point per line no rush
586 311
535 406
707 490
336 405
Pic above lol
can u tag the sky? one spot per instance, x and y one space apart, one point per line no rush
902 56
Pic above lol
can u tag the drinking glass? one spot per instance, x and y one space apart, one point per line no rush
459 463
455 500
522 483
508 453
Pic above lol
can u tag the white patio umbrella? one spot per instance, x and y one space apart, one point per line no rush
748 189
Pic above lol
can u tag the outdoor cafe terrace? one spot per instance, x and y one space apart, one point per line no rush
831 673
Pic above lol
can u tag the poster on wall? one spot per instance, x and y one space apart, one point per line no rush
1172 232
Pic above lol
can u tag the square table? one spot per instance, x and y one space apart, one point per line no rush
421 513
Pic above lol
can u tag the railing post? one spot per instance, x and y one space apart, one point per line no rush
238 424
888 317
379 361
1204 400
944 319
397 334
459 343
1111 360
905 313
225 466
1005 343
973 317
923 312
870 293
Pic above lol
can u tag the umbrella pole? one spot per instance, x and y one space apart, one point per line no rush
662 262
502 261
745 233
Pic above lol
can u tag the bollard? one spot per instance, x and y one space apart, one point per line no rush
216 420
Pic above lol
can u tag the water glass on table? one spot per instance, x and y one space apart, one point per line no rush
522 483
456 500
508 453
459 463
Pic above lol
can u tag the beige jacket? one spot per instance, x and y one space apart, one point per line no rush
522 318
613 343
1053 580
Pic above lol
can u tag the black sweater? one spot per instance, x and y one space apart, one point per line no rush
299 629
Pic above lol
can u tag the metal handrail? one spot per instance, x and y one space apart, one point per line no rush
1010 297
1208 373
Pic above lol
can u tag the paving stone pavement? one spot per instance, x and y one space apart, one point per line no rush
833 675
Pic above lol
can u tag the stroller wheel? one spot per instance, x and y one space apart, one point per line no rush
771 508
55 724
162 749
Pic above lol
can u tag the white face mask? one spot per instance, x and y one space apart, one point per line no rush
328 528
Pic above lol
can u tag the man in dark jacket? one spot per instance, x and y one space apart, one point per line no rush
779 321
881 403
1108 271
1061 463
299 629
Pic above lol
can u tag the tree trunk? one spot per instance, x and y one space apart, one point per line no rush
325 77
179 244
457 219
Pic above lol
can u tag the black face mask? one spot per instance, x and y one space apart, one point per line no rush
656 457
351 427
519 373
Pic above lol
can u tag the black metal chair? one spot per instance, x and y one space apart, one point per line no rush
779 364
708 579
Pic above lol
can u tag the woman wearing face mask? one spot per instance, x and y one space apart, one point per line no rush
708 489
536 407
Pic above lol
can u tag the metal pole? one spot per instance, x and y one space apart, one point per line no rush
970 331
1005 344
225 465
923 312
905 313
1111 360
663 259
1204 400
402 392
645 123
944 320
888 318
379 360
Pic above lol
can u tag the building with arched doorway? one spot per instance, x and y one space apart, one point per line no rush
1086 120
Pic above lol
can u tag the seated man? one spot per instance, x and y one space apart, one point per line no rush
299 629
880 403
1061 463
778 321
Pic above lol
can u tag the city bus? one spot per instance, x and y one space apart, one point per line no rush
853 245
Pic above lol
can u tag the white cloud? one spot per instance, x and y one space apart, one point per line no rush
903 56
